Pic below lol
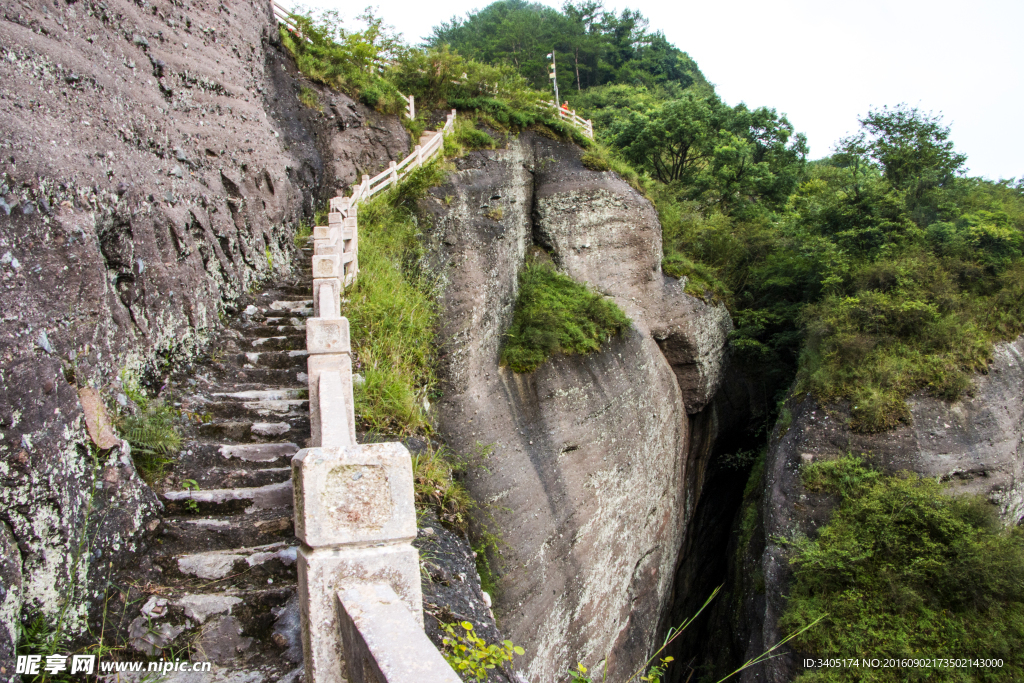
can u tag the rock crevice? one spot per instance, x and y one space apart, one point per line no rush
588 475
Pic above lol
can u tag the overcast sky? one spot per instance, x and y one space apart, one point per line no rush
824 63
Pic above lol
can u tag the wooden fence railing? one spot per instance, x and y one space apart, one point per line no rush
575 119
360 599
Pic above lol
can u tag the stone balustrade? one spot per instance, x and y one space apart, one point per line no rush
359 578
584 125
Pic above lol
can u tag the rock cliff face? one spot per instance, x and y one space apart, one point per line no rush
589 482
155 164
977 444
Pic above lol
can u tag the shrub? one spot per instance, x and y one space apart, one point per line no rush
346 60
554 313
470 655
904 568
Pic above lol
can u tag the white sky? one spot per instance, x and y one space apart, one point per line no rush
824 63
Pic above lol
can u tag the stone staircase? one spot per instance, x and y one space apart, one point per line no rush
227 547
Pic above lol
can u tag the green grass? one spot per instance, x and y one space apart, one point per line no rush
392 311
903 569
309 98
466 137
436 487
596 162
556 314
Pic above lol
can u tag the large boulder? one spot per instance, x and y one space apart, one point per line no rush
588 483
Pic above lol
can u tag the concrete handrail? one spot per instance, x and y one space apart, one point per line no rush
355 514
391 175
585 125
283 15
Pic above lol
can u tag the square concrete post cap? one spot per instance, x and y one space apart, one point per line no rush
354 494
334 218
325 335
321 232
326 266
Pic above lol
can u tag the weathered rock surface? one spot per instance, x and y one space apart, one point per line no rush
154 163
977 444
588 476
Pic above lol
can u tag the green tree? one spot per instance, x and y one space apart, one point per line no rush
675 141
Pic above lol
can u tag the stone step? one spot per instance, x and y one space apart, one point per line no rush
259 404
273 559
283 318
259 627
278 343
247 375
264 394
291 304
262 452
304 288
183 533
232 476
274 331
263 358
254 499
246 459
295 429
258 410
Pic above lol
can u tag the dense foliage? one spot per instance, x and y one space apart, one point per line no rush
884 272
904 570
592 46
556 313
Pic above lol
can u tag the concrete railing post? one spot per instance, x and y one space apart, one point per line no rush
327 286
359 580
355 516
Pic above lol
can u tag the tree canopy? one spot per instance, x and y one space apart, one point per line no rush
593 46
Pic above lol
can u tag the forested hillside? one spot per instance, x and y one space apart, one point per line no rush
595 46
874 272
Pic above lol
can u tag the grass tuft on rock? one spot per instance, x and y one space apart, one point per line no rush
437 488
553 314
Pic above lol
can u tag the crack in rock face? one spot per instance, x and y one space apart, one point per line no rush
588 471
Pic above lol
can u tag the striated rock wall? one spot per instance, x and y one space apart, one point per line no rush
588 482
154 164
977 444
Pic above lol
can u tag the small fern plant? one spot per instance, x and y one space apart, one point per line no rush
153 436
